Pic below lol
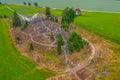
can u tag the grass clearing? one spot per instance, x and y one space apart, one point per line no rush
13 66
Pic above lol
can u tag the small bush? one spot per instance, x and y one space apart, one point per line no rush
17 38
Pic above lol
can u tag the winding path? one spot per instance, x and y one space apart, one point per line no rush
73 70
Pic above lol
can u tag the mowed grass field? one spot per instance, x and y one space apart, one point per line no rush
106 25
5 11
13 66
26 10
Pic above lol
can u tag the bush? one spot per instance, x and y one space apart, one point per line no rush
17 38
51 36
75 42
31 47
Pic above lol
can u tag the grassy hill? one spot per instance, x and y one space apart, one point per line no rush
26 10
13 66
104 24
5 11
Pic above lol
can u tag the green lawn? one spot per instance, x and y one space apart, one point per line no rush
13 66
26 10
5 11
106 25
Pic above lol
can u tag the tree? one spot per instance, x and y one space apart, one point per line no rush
59 44
36 4
47 12
68 16
0 2
24 3
29 4
31 47
16 20
75 42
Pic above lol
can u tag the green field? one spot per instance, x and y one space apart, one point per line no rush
26 10
13 66
103 24
5 11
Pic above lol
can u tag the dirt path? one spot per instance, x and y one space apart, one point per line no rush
31 38
65 47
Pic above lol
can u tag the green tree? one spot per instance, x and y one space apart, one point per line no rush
47 12
36 4
59 44
24 3
29 4
0 2
68 16
31 47
75 42
16 20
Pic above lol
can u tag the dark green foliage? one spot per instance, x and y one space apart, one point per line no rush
59 44
5 16
65 25
1 16
68 16
31 47
75 42
0 2
16 20
29 4
36 4
47 12
51 36
25 25
17 38
24 3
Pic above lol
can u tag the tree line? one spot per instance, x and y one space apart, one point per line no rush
29 4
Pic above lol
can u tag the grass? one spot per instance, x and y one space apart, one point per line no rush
103 24
5 11
26 10
13 66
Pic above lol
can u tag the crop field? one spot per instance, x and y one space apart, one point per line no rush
13 66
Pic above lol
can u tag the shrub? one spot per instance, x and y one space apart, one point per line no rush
59 44
31 47
75 42
51 36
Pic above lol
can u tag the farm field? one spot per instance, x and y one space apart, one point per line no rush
12 64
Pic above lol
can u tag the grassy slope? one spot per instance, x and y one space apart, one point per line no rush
13 66
104 24
5 11
26 10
